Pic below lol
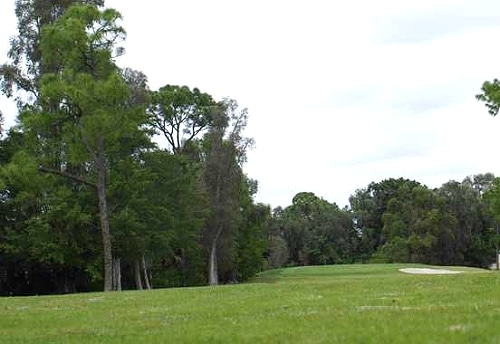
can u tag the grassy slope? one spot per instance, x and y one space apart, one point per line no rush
344 304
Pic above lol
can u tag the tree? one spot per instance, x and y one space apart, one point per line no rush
277 253
251 239
314 232
224 153
490 95
480 183
95 122
48 228
174 210
490 240
249 242
441 226
368 206
181 114
137 82
22 74
411 225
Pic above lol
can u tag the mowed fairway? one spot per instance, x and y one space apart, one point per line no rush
330 304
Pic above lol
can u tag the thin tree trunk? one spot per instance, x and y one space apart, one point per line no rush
213 273
103 214
145 273
498 259
117 274
184 267
66 285
213 278
137 275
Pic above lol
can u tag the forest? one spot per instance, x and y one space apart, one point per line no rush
90 201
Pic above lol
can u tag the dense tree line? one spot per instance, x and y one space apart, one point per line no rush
395 220
89 201
404 221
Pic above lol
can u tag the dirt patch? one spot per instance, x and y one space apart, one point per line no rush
429 271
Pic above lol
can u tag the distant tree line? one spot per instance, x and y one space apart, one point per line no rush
89 201
395 220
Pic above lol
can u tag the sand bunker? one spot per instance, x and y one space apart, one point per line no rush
428 271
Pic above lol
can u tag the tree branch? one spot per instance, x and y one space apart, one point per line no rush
66 175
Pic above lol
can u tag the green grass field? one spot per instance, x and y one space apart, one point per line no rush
325 304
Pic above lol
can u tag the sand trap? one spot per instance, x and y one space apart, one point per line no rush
428 271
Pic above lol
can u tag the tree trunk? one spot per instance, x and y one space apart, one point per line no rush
498 259
213 273
184 267
103 215
213 278
117 274
145 273
137 275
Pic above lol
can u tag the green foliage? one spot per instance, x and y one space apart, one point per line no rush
181 114
223 152
86 125
251 236
447 225
84 132
179 211
490 96
21 75
493 198
315 231
46 228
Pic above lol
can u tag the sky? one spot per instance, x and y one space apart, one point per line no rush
339 93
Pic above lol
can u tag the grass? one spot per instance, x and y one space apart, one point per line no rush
330 304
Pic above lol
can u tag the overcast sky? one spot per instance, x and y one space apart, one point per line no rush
339 93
